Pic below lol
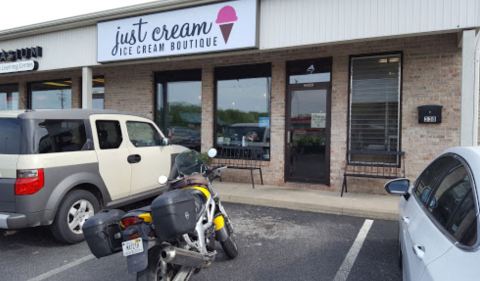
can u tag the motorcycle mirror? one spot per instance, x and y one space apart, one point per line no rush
162 180
212 152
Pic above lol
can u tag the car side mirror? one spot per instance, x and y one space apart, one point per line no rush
212 152
162 180
398 186
165 141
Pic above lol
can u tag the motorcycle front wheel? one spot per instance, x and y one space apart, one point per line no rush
229 246
157 269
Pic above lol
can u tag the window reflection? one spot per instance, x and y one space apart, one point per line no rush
51 94
98 92
180 94
243 111
9 98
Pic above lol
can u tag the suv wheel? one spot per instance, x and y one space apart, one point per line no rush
75 209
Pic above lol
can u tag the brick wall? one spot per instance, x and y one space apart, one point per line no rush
431 75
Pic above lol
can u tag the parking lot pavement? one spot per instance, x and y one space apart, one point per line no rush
274 244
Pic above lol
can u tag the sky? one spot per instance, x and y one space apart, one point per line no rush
17 13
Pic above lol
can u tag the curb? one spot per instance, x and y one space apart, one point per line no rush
316 208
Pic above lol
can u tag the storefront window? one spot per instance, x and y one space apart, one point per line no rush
51 94
98 92
242 128
374 131
9 98
179 106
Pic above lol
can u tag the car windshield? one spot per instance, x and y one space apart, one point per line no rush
188 163
10 137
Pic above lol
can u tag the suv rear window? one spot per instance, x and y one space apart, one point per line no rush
10 137
60 136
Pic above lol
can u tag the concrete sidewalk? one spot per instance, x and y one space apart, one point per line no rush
351 204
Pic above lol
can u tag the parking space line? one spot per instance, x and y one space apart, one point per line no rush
62 268
347 264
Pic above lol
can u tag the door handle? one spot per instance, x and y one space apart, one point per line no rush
419 251
134 158
406 220
288 136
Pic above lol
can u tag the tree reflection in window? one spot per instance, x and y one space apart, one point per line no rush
178 107
243 110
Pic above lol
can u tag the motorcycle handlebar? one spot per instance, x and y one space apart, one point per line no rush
214 173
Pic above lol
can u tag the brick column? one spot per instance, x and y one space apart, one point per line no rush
22 95
76 92
208 89
339 113
277 133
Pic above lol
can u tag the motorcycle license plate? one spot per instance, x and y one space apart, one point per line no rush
132 247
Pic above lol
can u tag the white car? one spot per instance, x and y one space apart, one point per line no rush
438 222
59 167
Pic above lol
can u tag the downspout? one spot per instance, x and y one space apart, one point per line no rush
476 92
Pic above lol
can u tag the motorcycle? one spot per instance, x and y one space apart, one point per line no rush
175 236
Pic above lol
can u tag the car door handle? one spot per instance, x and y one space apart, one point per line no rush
406 220
419 251
134 158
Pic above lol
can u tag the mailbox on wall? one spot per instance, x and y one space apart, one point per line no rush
430 114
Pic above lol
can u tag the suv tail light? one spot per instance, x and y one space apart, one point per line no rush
29 181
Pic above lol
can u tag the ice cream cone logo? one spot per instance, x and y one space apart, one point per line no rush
226 18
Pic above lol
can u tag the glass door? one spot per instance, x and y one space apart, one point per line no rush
308 122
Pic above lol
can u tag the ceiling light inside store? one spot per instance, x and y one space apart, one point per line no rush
55 84
393 60
383 60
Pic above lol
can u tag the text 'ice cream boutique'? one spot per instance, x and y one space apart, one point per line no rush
310 91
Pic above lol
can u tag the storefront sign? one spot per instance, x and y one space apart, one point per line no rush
217 27
18 66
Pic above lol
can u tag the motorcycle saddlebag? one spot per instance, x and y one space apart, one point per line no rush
174 214
103 234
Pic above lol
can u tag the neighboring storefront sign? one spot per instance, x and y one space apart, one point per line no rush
211 28
19 54
20 59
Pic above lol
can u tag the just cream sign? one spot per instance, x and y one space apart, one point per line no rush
218 27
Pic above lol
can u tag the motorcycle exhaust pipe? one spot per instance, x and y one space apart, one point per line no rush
184 257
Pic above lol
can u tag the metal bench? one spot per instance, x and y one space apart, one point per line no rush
373 170
242 158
